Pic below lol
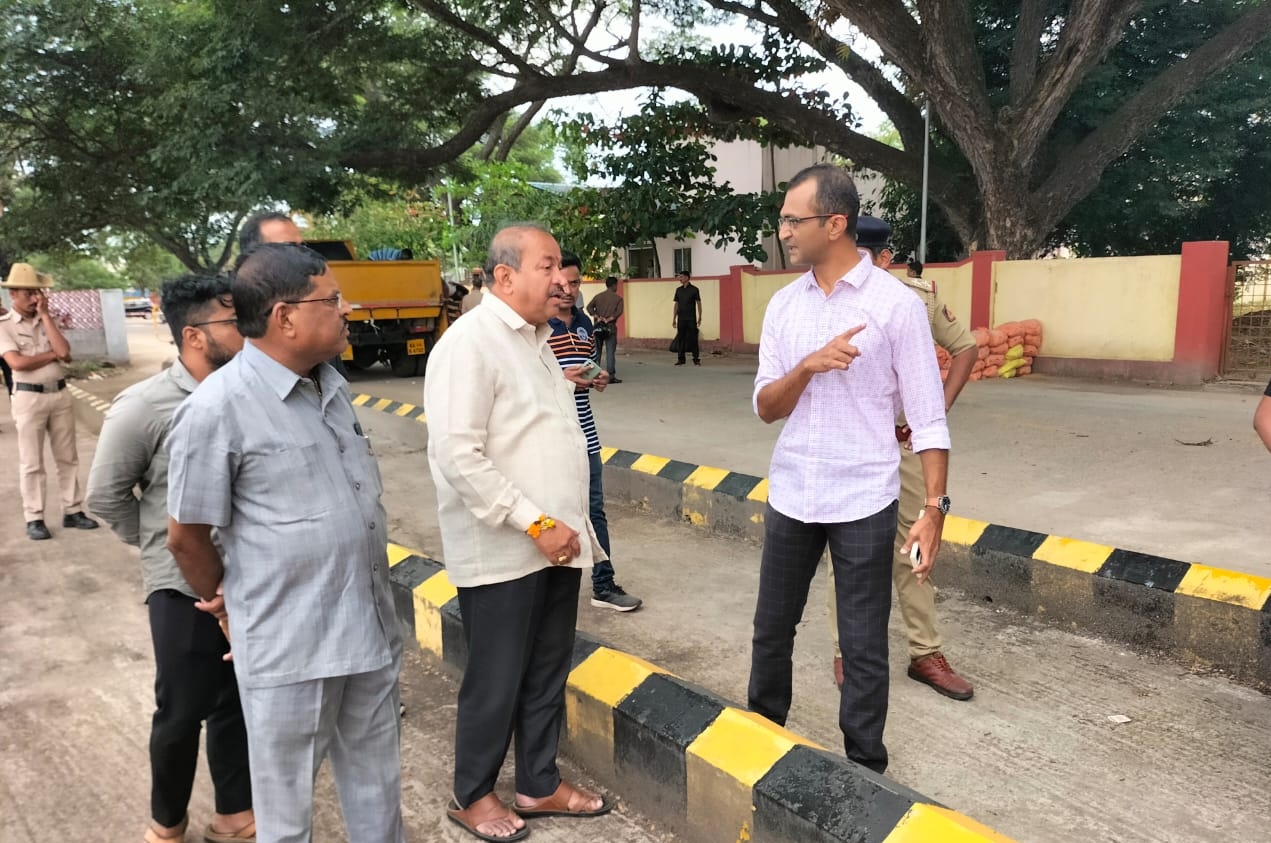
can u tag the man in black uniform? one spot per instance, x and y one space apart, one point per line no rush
687 319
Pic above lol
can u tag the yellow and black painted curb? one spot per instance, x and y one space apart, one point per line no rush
1199 614
710 768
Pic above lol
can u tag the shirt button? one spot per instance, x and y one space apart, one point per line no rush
372 525
341 449
357 485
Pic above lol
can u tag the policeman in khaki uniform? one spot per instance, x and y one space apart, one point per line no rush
34 348
917 599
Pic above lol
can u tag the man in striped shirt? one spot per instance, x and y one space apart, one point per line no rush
572 343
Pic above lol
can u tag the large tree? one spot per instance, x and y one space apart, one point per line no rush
1020 154
176 119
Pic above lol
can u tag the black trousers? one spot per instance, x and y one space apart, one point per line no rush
7 374
861 552
191 685
520 637
686 340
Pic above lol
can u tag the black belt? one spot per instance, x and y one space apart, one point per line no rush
39 387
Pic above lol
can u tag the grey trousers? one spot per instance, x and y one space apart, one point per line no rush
351 719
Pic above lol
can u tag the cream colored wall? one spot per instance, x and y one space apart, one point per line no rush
953 283
1094 308
649 308
756 292
590 291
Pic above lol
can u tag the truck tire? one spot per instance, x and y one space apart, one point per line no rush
405 365
364 357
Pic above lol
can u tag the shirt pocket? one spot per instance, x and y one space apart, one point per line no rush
292 483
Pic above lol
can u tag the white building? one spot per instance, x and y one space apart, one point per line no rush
749 167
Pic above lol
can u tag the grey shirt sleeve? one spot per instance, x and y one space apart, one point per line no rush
202 465
125 449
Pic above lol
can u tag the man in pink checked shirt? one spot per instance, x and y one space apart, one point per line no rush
844 348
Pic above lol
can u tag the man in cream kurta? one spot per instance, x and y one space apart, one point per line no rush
510 464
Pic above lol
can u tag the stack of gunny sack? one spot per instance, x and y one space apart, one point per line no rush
1006 351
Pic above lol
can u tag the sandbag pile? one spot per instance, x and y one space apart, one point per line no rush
1006 351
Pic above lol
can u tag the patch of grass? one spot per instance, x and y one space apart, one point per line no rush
80 369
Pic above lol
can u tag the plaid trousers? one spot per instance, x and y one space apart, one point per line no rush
860 552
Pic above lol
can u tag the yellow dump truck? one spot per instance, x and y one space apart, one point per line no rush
398 308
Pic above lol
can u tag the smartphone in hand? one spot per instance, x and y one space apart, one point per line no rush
590 371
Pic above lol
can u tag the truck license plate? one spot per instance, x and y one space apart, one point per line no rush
415 347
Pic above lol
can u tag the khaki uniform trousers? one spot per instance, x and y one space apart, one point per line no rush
917 600
38 415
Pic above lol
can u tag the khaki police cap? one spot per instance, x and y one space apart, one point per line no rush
22 276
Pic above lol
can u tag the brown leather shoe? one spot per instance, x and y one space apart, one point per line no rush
934 670
838 672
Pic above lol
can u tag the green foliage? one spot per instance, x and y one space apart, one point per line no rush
76 272
175 119
664 180
381 215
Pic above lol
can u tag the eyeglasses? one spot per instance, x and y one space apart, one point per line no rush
335 301
214 322
795 222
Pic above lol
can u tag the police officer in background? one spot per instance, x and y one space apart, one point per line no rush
33 346
927 663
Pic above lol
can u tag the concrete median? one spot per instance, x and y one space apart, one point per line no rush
699 763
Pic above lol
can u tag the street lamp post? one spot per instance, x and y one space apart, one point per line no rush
926 144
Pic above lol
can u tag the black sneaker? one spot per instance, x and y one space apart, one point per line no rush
36 531
616 599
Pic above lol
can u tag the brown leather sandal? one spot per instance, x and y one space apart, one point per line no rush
246 834
485 809
557 805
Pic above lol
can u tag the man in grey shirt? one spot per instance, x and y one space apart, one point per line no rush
193 681
269 452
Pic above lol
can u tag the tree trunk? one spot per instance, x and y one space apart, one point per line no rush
1010 222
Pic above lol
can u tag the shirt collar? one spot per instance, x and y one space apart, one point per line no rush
275 375
514 320
558 325
855 276
182 376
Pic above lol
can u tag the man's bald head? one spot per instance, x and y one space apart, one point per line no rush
525 271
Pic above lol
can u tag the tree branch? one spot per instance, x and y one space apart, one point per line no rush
441 11
1026 51
712 86
1089 35
578 41
1079 170
518 128
494 133
633 39
792 19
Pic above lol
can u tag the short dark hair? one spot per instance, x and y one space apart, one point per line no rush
272 272
611 281
835 192
568 259
188 299
249 236
915 267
